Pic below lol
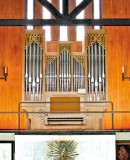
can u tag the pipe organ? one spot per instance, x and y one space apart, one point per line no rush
59 70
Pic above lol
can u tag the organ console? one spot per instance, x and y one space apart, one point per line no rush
64 73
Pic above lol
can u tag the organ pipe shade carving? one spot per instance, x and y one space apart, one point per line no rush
33 84
96 66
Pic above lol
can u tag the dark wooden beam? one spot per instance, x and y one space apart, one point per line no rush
58 22
51 8
79 8
65 7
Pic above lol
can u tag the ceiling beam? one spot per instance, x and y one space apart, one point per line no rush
65 7
79 8
58 22
51 8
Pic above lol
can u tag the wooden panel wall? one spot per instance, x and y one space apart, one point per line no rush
11 39
71 29
55 30
88 13
118 44
38 10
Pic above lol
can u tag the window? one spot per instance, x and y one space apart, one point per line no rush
30 11
63 29
80 29
96 11
47 15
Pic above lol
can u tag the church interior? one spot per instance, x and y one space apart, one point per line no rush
65 70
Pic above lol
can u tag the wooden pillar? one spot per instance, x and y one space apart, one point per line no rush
38 12
55 30
71 29
88 13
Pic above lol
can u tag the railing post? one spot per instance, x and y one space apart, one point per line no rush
112 116
19 115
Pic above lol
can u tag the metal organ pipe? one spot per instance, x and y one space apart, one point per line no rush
37 71
64 70
60 59
89 77
50 77
82 76
40 91
69 72
100 77
33 71
55 72
79 78
96 70
103 71
74 72
92 73
67 75
26 71
53 75
30 70
76 75
52 82
47 78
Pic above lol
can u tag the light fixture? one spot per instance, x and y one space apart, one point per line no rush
5 73
123 74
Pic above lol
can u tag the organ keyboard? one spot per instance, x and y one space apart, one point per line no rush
64 120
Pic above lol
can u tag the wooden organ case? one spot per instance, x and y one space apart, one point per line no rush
64 77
